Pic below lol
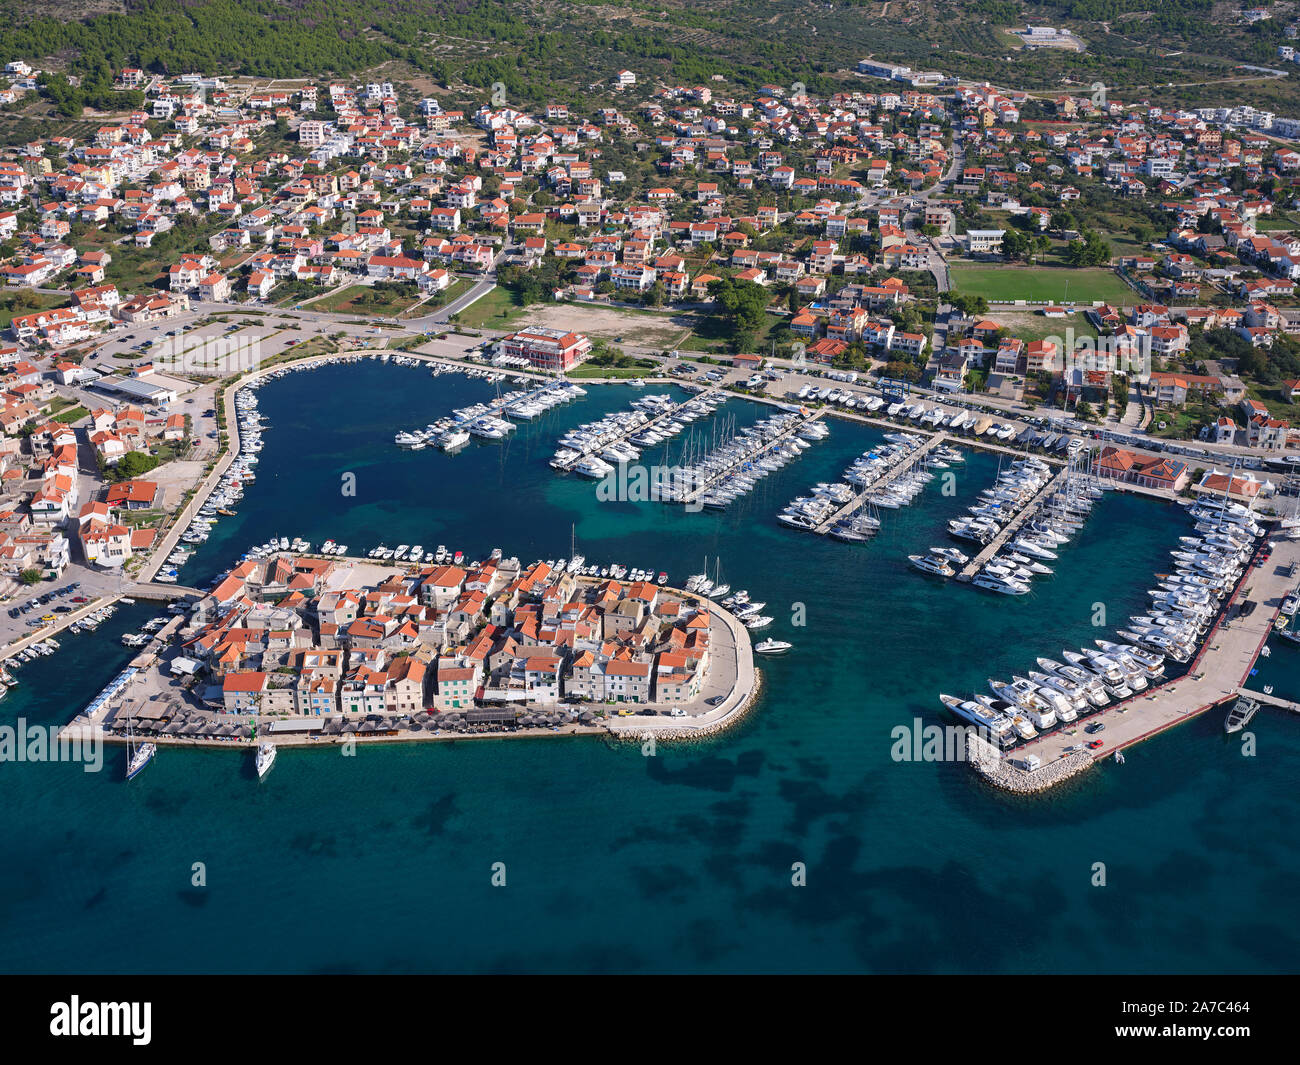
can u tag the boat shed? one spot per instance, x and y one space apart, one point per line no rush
184 667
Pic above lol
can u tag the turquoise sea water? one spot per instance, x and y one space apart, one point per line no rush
680 862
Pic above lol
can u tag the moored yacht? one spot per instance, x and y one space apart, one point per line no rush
1020 721
999 724
138 757
265 758
939 567
1025 695
1003 585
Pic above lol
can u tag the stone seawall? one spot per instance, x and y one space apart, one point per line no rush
634 733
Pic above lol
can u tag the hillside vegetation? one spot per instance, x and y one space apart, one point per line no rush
547 48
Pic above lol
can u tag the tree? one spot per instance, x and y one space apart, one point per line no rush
1017 246
743 303
134 464
970 306
30 576
1093 250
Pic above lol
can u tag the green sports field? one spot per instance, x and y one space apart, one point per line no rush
1039 283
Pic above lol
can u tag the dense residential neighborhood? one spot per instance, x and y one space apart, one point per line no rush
853 213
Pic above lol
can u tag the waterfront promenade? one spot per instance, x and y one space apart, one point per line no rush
1213 678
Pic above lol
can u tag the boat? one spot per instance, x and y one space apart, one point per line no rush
1023 727
772 647
1152 664
952 554
1006 586
265 758
930 564
1022 693
1240 714
981 715
138 757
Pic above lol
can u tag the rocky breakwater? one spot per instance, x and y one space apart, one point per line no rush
1013 773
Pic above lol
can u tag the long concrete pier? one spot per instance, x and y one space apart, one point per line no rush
664 418
785 434
885 478
1012 527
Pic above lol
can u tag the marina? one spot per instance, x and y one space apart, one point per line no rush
596 448
1024 509
732 469
492 420
876 481
1233 638
817 749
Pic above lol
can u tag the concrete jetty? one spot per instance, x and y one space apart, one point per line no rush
886 477
1011 528
1270 700
1214 677
791 430
659 419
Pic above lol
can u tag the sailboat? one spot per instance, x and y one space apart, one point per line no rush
137 757
699 582
719 589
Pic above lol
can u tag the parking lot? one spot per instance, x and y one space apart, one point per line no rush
44 603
